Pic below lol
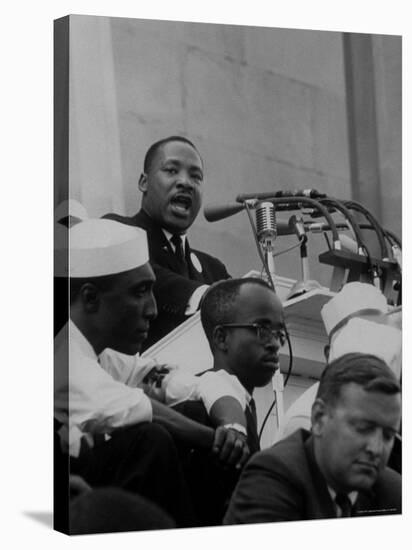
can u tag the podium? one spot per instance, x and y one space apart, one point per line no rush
188 347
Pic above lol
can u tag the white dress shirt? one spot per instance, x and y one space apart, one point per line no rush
94 395
178 385
89 400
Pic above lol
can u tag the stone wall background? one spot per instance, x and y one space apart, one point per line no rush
268 109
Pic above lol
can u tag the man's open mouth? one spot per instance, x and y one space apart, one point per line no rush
181 203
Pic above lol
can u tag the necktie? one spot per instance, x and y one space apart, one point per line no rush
252 407
252 431
343 502
180 255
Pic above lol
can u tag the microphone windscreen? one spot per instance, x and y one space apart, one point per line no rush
216 212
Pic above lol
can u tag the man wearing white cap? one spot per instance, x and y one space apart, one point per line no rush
105 423
357 319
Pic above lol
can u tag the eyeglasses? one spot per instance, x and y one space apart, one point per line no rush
264 333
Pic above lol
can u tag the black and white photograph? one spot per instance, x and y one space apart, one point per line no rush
228 199
225 281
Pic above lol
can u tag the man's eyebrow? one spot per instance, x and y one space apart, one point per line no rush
266 321
198 168
146 282
178 161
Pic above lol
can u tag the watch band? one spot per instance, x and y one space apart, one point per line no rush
236 426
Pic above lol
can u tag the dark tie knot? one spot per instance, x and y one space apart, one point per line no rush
344 503
176 240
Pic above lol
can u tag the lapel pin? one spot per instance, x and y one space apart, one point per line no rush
195 261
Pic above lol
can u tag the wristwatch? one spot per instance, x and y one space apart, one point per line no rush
236 426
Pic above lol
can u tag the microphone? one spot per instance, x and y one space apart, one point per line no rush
216 212
266 232
266 223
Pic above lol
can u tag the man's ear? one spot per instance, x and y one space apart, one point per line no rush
319 417
143 182
219 338
90 297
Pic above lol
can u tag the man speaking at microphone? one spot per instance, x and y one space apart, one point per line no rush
172 188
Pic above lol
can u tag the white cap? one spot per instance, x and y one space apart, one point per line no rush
354 299
70 207
365 336
100 247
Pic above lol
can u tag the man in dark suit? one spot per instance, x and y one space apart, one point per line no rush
172 187
339 468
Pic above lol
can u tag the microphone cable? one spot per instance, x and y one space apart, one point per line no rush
339 205
393 240
353 205
320 207
350 219
391 236
285 250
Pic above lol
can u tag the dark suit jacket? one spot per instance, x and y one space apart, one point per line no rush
283 483
172 290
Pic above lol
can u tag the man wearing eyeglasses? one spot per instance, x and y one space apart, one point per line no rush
243 322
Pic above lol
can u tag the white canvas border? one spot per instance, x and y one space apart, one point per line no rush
27 266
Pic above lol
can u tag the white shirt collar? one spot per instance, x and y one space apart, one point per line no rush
169 235
77 337
353 495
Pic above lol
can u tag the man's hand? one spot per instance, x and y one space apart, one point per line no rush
230 447
157 374
153 381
